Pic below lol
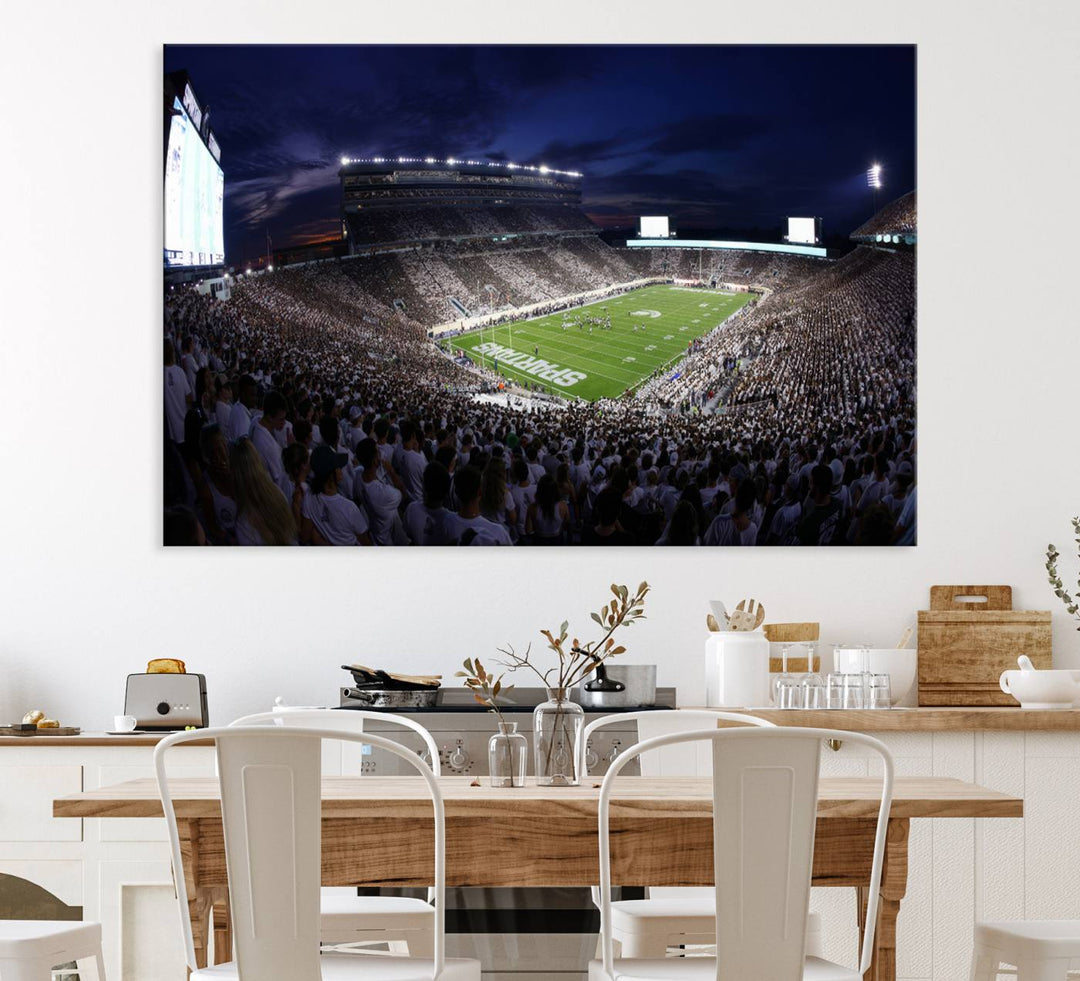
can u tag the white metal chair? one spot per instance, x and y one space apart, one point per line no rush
765 790
1041 950
678 916
271 810
30 949
346 917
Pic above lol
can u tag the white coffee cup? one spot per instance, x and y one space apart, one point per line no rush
124 723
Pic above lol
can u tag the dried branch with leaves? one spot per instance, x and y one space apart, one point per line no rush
578 661
1072 602
486 688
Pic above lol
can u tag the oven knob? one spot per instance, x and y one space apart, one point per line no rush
458 758
162 708
591 757
614 752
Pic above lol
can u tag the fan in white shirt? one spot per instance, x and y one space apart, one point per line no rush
240 416
177 394
329 518
379 501
476 530
412 463
428 522
264 436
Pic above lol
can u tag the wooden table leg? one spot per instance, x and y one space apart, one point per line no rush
200 898
893 889
222 922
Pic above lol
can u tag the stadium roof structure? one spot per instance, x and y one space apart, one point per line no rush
473 166
896 223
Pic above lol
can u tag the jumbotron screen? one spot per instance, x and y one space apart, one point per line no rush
654 226
802 231
194 197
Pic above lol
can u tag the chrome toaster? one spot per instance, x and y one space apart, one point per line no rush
166 702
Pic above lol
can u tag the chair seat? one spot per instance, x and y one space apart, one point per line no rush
376 912
1028 939
45 938
704 969
693 915
349 967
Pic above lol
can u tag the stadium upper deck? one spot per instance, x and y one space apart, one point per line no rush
454 199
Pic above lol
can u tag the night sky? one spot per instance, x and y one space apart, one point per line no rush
731 139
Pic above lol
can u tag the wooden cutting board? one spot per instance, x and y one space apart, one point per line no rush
59 731
968 637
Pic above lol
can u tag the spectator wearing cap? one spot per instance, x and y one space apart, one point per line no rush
264 436
330 518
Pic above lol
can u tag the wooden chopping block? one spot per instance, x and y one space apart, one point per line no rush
969 636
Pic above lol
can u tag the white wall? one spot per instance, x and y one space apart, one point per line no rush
86 593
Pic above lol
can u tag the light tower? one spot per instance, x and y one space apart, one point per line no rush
873 181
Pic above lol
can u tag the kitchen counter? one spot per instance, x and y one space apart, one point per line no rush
923 719
88 739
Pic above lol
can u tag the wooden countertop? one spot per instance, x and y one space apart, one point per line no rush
923 719
92 739
655 797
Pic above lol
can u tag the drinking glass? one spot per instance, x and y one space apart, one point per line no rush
853 691
785 676
834 690
879 694
788 692
813 691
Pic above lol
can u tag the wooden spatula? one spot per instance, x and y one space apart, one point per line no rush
748 617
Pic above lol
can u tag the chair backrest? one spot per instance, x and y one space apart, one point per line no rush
271 809
675 761
765 791
347 720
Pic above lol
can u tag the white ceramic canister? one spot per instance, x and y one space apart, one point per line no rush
737 669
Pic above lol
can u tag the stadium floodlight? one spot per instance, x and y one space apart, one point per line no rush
269 268
249 270
344 161
873 176
543 168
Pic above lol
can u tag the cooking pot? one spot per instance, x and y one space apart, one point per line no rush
619 686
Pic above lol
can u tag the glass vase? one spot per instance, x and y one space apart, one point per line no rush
557 725
508 755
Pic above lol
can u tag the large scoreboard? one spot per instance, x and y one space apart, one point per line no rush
194 195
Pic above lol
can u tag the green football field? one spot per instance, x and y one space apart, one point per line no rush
600 363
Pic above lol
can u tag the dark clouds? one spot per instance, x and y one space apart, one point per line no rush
721 137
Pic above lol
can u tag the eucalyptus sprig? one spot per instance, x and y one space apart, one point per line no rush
1071 602
486 688
576 660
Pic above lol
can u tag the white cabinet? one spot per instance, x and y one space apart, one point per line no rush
117 870
26 803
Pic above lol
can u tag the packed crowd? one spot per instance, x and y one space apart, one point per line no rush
423 223
307 410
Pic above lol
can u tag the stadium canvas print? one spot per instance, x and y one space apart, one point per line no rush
540 295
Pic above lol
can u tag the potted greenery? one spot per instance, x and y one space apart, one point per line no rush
1071 602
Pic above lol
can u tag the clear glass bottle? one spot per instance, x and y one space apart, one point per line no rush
557 725
508 756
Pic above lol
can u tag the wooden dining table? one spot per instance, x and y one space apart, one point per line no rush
377 832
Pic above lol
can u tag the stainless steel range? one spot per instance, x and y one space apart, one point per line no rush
527 934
